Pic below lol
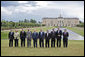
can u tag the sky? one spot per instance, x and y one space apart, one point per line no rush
20 10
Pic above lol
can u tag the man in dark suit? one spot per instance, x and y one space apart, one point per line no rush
58 36
41 38
52 38
11 37
35 37
47 37
65 38
22 37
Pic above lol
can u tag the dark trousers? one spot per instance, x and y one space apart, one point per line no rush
35 42
22 42
28 43
41 42
65 42
59 42
10 42
52 42
47 43
16 42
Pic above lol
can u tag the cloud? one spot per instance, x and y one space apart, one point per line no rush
5 11
9 3
42 3
22 1
43 8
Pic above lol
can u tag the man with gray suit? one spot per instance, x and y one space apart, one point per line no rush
29 36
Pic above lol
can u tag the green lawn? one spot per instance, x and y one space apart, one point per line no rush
75 48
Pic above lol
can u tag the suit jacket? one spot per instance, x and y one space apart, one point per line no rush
16 35
53 34
22 35
58 33
65 35
41 36
47 37
34 35
11 35
29 35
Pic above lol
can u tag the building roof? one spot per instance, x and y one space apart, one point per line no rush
59 18
49 18
71 18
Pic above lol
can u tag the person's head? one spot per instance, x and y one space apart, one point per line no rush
65 30
40 30
34 30
47 31
53 29
22 29
58 28
16 30
28 29
11 30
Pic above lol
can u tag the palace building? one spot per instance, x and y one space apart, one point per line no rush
60 21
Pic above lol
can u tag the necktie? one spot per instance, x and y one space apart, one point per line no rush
65 33
41 33
35 33
58 31
28 34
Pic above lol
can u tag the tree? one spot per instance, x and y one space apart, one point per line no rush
80 22
39 22
12 23
33 21
25 20
80 25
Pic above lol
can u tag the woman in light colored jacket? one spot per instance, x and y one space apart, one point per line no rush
16 38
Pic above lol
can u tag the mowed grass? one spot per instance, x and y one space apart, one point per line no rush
75 48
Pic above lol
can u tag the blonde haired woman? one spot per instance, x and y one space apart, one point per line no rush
16 38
